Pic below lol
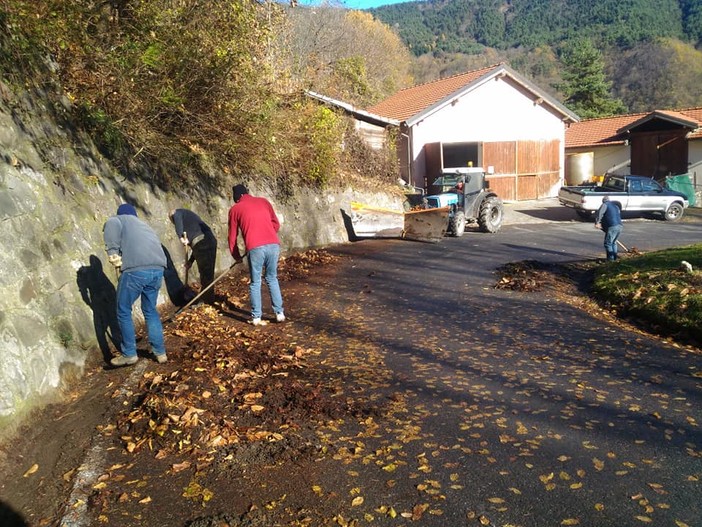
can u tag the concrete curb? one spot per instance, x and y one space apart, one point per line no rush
93 466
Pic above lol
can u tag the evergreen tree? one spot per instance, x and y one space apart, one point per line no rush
490 26
692 19
585 87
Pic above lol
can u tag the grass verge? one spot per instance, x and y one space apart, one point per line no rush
657 289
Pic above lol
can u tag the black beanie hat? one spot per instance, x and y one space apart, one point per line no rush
126 208
238 191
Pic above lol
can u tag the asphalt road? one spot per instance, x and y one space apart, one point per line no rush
508 408
476 406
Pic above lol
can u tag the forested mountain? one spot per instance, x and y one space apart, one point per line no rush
650 51
465 26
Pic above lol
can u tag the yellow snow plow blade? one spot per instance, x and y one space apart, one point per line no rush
376 222
426 225
423 225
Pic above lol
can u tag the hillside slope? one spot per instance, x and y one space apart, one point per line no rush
650 50
465 25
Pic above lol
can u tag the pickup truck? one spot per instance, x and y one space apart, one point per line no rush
631 193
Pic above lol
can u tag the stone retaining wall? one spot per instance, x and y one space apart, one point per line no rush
56 192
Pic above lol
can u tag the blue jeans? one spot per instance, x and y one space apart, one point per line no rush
133 284
260 257
610 241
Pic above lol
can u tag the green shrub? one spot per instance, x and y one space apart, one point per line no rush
325 135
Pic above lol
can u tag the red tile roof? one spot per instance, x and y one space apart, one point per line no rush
411 101
598 132
414 103
604 131
692 114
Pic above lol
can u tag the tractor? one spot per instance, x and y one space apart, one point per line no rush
466 194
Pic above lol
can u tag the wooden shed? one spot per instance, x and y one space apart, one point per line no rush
655 144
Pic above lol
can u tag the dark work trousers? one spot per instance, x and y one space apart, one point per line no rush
205 253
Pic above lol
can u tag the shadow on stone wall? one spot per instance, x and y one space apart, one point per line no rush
10 518
100 295
178 293
348 225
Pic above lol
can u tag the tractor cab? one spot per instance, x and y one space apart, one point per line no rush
460 187
465 192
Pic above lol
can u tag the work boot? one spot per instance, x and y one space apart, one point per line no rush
123 360
280 317
161 358
258 322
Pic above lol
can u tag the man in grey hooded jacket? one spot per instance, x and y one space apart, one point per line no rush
135 249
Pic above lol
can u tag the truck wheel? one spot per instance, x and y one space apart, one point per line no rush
491 214
457 224
674 212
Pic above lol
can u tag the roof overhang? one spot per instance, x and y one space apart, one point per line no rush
662 115
361 115
497 73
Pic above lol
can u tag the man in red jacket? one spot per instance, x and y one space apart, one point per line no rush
259 225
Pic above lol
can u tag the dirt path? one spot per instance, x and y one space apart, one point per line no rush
153 444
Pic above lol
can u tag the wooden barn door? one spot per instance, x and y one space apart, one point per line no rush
659 154
523 169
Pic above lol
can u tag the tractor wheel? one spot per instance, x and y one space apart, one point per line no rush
491 214
674 212
457 224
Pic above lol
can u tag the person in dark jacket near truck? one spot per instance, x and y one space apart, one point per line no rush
134 248
195 233
259 225
609 219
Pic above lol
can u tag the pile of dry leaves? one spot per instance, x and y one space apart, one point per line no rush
227 382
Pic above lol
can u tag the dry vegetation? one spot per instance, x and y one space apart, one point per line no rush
198 94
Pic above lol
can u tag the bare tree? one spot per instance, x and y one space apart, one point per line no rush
659 74
345 54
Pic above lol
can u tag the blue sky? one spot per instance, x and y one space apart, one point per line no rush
356 4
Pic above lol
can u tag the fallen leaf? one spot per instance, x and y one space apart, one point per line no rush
177 467
31 470
418 511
